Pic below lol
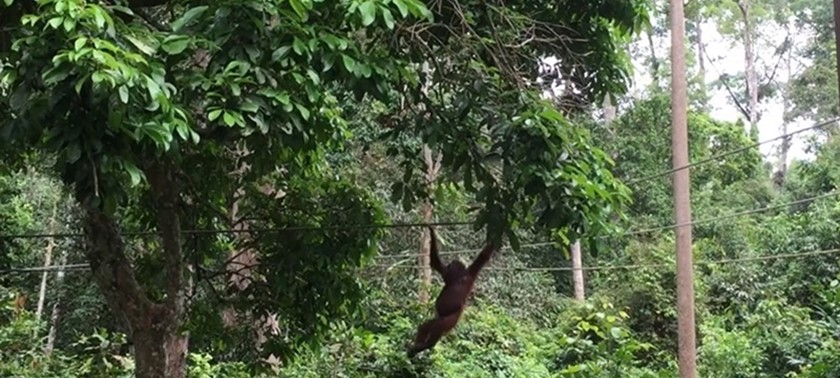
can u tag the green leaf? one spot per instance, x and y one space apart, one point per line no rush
364 70
298 46
368 11
123 94
235 89
304 112
55 22
142 46
229 119
403 8
258 120
349 63
313 76
188 17
249 106
69 24
56 74
214 114
182 129
280 53
299 8
99 17
388 17
80 43
175 44
135 173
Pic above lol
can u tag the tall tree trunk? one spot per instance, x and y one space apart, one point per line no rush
42 291
786 103
749 60
160 349
56 307
701 60
432 169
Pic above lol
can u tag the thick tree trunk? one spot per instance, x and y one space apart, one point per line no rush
432 169
160 349
159 352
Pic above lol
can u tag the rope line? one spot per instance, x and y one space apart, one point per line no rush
628 233
727 216
240 231
638 266
646 230
795 255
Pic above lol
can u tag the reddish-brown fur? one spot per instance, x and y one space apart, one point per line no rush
458 283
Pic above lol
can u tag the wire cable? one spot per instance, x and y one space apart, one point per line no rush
646 230
629 233
240 231
795 255
732 152
727 216
640 266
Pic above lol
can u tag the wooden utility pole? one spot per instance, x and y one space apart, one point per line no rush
682 196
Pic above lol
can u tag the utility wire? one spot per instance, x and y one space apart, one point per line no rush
646 230
68 267
639 266
547 244
239 231
727 216
732 152
72 267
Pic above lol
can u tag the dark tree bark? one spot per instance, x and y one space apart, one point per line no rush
160 349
